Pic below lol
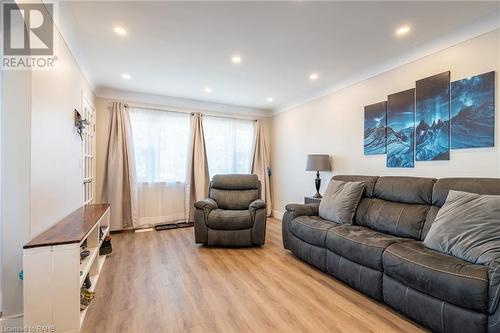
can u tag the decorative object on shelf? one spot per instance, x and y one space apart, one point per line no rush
432 96
80 123
400 129
106 247
318 162
473 112
375 129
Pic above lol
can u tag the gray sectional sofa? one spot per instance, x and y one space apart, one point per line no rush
382 254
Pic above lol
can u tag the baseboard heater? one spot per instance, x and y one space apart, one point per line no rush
168 226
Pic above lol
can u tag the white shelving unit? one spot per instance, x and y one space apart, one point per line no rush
54 273
92 265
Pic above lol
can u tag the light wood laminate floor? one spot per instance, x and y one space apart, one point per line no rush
163 282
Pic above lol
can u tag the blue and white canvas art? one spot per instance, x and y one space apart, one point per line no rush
401 129
473 112
433 118
375 127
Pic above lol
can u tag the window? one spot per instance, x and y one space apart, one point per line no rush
160 145
88 139
229 144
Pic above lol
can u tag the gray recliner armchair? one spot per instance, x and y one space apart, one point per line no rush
233 214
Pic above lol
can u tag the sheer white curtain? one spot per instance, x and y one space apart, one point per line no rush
161 147
229 144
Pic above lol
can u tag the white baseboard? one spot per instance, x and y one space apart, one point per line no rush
12 322
277 214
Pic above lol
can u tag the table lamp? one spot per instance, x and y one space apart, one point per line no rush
318 162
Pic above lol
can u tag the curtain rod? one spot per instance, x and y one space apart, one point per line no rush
127 105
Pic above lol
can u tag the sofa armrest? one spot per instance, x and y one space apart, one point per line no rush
259 215
293 211
207 204
257 204
201 212
303 210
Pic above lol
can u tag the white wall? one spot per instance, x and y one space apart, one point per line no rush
40 159
15 185
56 175
334 125
1 179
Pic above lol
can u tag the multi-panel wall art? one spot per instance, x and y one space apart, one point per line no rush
473 112
424 123
432 118
401 129
375 123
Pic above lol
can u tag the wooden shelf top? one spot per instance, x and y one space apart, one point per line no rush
71 229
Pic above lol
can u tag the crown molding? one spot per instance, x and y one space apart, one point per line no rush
180 104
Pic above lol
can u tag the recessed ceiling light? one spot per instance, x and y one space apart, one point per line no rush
403 30
314 76
236 59
126 76
269 99
120 31
208 90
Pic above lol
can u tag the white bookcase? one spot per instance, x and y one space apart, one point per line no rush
54 274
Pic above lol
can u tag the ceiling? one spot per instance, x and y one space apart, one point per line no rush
179 48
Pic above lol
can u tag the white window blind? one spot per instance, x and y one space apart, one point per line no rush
229 144
160 145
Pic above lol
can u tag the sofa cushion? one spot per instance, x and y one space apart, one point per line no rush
431 312
359 244
431 216
234 191
410 190
229 219
311 229
340 201
360 277
235 182
398 219
467 227
234 199
368 180
439 275
473 185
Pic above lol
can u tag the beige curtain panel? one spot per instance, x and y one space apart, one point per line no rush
121 190
198 177
260 164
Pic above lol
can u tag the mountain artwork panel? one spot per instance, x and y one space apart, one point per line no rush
432 118
473 112
375 128
401 129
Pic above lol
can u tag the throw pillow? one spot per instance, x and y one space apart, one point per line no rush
467 227
340 201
